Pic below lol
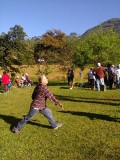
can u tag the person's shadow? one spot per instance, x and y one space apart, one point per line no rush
13 121
93 116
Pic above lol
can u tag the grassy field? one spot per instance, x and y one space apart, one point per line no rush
91 126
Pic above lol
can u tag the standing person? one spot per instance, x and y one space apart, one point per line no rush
106 81
117 72
71 79
5 81
68 76
80 75
38 105
99 74
91 78
111 74
0 80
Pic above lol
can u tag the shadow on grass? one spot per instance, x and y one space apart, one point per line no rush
53 83
92 116
13 121
104 99
88 100
67 87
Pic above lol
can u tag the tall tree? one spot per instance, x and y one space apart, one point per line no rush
100 46
50 46
81 53
12 47
104 46
17 32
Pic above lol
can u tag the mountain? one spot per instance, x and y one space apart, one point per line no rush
113 23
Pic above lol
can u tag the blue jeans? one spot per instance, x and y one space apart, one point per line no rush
99 82
46 112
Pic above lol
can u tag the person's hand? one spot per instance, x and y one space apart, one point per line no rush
61 106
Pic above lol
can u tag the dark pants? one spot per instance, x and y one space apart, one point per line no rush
6 87
111 82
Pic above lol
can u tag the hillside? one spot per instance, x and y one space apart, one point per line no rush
113 23
55 72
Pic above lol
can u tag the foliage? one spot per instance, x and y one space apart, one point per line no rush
53 47
100 46
81 54
58 48
16 32
14 50
105 47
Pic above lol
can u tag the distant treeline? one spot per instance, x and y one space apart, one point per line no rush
55 47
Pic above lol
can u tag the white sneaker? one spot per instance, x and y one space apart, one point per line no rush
15 130
58 126
71 88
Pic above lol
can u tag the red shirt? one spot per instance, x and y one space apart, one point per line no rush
99 72
40 95
5 79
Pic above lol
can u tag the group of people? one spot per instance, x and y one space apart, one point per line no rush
23 81
6 81
101 76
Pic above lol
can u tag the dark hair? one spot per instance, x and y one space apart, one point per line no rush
4 72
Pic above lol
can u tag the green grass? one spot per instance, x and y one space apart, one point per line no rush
91 126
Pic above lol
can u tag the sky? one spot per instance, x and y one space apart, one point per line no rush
39 16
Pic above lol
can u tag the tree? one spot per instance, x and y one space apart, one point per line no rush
16 32
81 54
100 46
104 47
12 47
50 46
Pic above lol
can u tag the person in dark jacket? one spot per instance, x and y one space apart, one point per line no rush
70 76
111 75
38 105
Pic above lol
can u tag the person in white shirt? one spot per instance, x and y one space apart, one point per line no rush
91 78
117 72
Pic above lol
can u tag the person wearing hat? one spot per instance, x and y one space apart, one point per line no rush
99 75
